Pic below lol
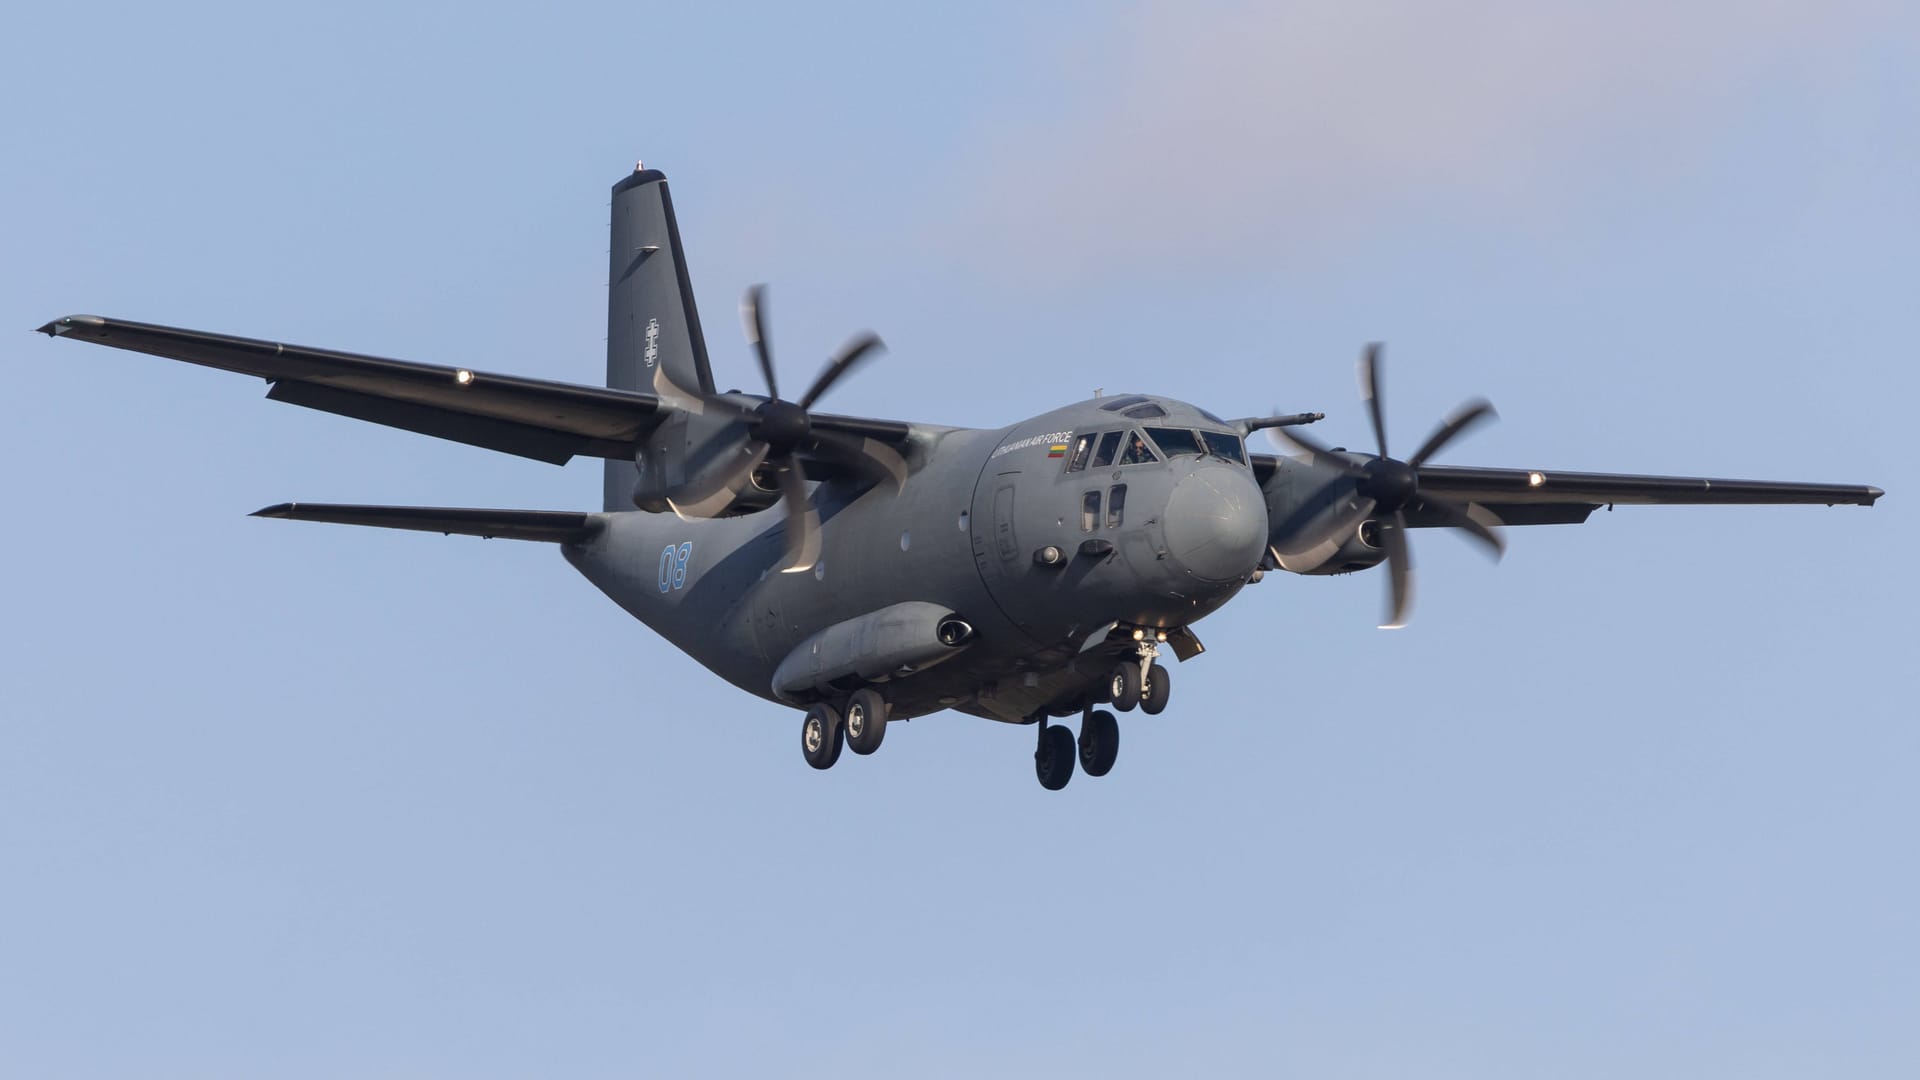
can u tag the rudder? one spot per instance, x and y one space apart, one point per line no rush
653 328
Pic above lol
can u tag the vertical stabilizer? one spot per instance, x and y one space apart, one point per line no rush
653 329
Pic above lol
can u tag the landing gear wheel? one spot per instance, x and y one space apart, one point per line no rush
821 736
1123 686
866 720
1099 742
1053 758
1154 701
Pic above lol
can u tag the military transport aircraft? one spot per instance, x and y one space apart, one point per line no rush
868 570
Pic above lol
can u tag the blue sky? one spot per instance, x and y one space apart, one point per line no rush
291 800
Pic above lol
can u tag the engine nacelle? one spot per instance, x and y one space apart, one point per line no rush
1301 501
658 489
1360 551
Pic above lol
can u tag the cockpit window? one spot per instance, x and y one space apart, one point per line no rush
1121 402
1109 445
1174 442
1223 445
1137 452
1082 449
1146 412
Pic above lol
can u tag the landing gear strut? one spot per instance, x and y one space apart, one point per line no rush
1139 681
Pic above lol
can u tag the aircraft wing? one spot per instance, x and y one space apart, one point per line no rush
1541 497
533 418
1550 497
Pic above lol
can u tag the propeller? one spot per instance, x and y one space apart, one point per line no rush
1384 486
777 430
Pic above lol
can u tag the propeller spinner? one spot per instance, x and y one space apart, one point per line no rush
1385 486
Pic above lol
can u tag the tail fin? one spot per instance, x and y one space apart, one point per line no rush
653 329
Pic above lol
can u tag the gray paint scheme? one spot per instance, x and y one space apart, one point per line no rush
989 526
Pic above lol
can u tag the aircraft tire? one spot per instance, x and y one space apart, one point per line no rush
1099 742
866 720
1053 758
821 736
1153 701
1123 686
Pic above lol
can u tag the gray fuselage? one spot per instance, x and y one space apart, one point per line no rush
969 533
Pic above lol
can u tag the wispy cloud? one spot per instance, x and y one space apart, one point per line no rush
1209 131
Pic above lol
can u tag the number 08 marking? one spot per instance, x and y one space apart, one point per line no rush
673 566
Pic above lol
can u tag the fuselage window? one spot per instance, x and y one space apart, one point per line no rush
1137 452
1223 445
1109 444
1089 511
1116 505
1081 451
1176 441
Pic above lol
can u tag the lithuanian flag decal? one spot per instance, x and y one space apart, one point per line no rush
1058 449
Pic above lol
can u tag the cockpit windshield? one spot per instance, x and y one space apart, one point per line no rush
1220 444
1137 452
1175 442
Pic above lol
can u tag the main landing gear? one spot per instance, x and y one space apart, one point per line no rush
1096 749
860 723
1136 683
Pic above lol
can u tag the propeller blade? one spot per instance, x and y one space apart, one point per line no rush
803 521
720 493
692 401
1477 520
855 350
1393 537
1321 455
1304 553
1459 420
753 308
870 456
1370 392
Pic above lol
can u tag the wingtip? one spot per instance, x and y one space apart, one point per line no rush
277 510
1873 495
56 327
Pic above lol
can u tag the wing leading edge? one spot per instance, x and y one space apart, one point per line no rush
533 418
1544 497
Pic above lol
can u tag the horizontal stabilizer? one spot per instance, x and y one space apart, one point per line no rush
546 526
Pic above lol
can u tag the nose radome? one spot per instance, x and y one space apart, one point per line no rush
1216 523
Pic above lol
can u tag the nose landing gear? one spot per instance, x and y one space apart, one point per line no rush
1140 682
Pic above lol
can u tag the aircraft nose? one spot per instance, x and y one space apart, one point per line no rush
1216 523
